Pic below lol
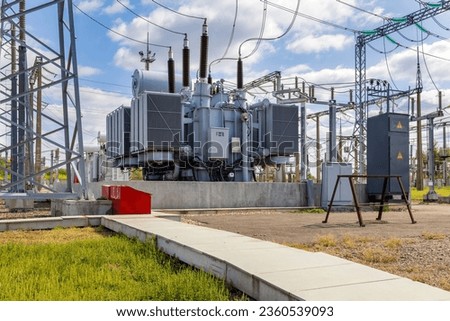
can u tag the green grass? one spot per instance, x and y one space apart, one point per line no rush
418 195
98 268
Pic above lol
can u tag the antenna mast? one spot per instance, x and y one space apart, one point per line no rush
147 58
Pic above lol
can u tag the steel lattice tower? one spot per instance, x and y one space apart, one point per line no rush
363 39
24 57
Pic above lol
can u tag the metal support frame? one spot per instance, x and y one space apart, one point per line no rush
382 201
431 195
359 131
332 147
16 109
304 155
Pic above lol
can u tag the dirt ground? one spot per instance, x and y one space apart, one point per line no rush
292 226
418 251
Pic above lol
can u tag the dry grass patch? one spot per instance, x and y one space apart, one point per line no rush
424 258
377 255
63 235
433 236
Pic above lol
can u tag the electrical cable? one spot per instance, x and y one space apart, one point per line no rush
440 24
261 33
411 40
434 18
380 51
421 28
148 21
387 64
177 12
273 38
363 10
233 29
118 33
426 64
303 15
422 52
426 53
102 82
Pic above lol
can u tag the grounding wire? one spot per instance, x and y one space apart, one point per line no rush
296 12
148 21
177 12
233 29
117 33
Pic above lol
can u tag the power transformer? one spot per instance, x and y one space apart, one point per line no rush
205 134
387 154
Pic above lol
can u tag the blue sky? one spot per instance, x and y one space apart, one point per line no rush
319 49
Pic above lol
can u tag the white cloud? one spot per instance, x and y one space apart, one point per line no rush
86 71
96 104
116 7
322 43
89 6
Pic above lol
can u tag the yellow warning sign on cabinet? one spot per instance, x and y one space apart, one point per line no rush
399 156
399 125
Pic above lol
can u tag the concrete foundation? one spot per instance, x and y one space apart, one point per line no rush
204 195
19 204
76 208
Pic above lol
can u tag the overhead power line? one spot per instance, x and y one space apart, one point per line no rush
178 12
261 33
363 10
295 14
118 33
148 21
303 15
233 29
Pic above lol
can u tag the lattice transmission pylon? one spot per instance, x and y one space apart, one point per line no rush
33 66
363 38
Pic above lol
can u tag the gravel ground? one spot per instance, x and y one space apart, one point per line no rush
42 209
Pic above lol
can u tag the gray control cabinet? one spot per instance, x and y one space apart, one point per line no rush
387 154
330 172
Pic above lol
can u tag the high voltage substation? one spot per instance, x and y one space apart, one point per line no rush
207 132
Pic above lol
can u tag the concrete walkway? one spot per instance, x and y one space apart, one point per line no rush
261 269
270 271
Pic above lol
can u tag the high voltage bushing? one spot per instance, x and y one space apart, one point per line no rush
204 52
240 74
171 72
186 62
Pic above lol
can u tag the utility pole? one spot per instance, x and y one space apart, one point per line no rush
445 154
419 181
318 163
